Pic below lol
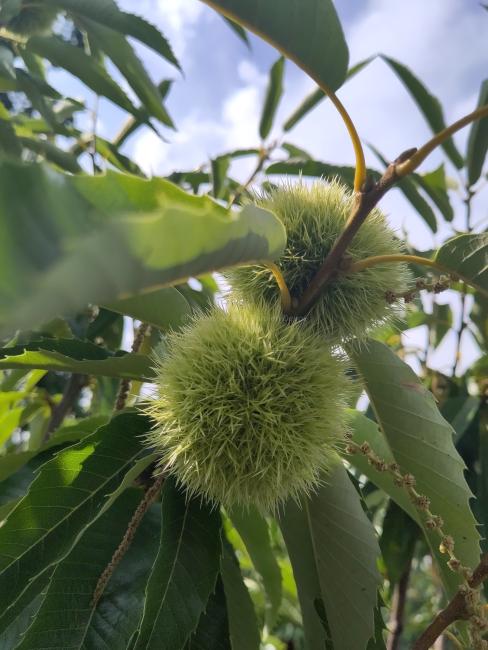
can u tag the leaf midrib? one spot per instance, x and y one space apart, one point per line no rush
170 577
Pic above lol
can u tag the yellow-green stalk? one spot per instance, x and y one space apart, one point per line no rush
352 304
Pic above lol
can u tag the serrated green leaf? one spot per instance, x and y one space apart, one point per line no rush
136 470
441 323
117 47
296 152
12 462
66 610
397 542
124 235
9 421
63 159
312 168
9 143
434 185
15 620
421 441
185 570
119 609
253 529
407 186
272 98
243 623
107 150
317 95
63 500
106 12
467 256
212 632
133 124
82 66
365 430
219 167
333 550
164 308
74 355
6 509
478 140
428 105
237 29
482 482
308 33
460 411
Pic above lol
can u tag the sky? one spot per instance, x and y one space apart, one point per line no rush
217 103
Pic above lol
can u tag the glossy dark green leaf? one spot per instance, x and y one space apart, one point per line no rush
124 235
164 308
317 95
212 632
478 140
460 410
184 573
119 610
377 641
15 620
11 463
63 500
482 487
397 542
333 550
243 623
421 441
66 610
308 33
467 256
73 355
253 529
428 105
272 98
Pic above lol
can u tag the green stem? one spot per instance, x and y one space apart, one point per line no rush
284 291
368 262
385 259
421 154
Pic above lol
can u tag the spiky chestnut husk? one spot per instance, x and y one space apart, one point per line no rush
352 304
33 20
250 408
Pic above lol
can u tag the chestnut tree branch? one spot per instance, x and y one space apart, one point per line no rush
458 609
365 201
398 614
71 394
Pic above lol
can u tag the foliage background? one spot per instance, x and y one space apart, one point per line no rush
216 108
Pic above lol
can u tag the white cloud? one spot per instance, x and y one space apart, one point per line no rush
178 19
199 137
